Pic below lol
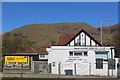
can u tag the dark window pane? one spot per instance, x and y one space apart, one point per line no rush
71 53
43 56
85 54
77 54
53 63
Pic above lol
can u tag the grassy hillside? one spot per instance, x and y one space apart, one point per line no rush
43 34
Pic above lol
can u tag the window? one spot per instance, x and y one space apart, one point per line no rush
83 44
77 54
42 56
70 53
102 55
53 63
78 43
85 54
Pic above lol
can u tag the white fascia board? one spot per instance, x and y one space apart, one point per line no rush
61 47
81 47
48 49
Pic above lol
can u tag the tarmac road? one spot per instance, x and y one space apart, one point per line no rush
59 76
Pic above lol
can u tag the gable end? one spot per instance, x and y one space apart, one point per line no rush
91 38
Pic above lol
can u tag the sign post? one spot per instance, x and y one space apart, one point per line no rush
21 70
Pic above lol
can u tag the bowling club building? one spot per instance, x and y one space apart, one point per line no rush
82 55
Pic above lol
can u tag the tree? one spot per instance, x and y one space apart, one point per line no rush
12 43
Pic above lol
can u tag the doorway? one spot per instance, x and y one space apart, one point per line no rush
68 72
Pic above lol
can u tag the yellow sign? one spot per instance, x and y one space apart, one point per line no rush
16 62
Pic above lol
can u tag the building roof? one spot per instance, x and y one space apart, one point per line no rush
20 54
63 39
43 50
30 50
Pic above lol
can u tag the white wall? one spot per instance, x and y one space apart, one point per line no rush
59 54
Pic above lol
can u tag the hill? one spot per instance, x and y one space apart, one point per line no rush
44 34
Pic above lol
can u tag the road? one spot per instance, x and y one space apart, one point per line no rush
60 76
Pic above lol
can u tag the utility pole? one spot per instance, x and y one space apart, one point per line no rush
101 30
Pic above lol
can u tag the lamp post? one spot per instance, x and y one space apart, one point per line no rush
101 22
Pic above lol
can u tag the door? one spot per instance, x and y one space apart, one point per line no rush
68 72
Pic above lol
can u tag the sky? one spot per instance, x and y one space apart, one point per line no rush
18 14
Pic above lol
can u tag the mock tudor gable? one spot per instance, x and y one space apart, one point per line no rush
82 39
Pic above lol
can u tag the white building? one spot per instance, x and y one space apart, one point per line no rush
82 55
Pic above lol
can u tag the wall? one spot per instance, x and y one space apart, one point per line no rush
60 54
40 66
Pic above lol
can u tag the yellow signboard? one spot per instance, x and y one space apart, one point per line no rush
16 62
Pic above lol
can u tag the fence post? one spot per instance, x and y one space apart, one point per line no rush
48 71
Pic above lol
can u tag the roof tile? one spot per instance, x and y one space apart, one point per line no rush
63 39
30 50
